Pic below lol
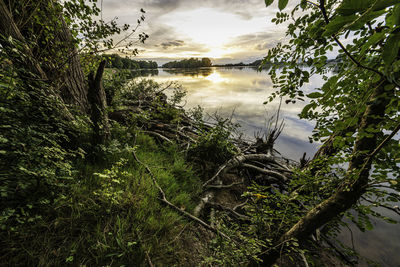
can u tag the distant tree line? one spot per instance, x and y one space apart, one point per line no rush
241 64
189 63
118 62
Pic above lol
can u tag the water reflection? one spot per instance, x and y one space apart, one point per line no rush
195 73
144 73
243 91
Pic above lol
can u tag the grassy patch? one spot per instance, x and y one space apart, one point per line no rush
110 214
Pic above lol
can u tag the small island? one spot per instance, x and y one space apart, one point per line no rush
189 63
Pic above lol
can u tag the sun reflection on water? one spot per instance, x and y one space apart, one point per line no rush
215 77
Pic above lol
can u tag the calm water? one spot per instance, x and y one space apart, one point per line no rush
242 91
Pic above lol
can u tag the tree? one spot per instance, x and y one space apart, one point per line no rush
189 63
48 31
49 53
356 110
206 62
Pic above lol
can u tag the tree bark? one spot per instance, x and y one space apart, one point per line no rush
60 67
74 88
9 29
97 99
356 177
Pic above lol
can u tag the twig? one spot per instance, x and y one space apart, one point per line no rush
395 209
358 64
162 137
222 186
148 259
240 205
234 213
304 259
237 161
271 173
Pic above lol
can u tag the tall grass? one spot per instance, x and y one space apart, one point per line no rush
110 214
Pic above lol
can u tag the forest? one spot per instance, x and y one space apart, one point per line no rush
189 63
118 62
98 168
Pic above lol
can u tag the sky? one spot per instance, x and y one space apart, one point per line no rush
227 31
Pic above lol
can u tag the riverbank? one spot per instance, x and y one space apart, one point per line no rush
169 189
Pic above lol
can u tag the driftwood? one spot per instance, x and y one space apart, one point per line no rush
237 162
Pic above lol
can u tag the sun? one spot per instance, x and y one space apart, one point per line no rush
217 52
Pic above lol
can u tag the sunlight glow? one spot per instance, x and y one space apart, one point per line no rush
215 77
213 29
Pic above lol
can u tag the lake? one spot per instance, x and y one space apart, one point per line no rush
241 91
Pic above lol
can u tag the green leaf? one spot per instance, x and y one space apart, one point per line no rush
282 4
372 41
351 7
305 110
391 48
396 15
314 95
268 2
335 25
382 4
362 20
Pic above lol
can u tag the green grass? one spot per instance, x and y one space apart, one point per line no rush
110 214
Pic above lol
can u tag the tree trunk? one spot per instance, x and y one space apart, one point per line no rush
74 88
9 29
356 176
97 99
54 58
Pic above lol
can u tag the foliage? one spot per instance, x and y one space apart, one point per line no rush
58 206
107 212
118 62
214 144
364 36
189 63
35 163
228 253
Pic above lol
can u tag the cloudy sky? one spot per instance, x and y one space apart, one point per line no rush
227 31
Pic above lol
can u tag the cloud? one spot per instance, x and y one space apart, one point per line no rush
243 27
175 43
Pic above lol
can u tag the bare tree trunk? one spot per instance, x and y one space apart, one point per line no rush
97 99
356 177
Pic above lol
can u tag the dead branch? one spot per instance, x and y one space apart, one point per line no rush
231 211
222 186
240 205
271 173
182 212
159 136
238 161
